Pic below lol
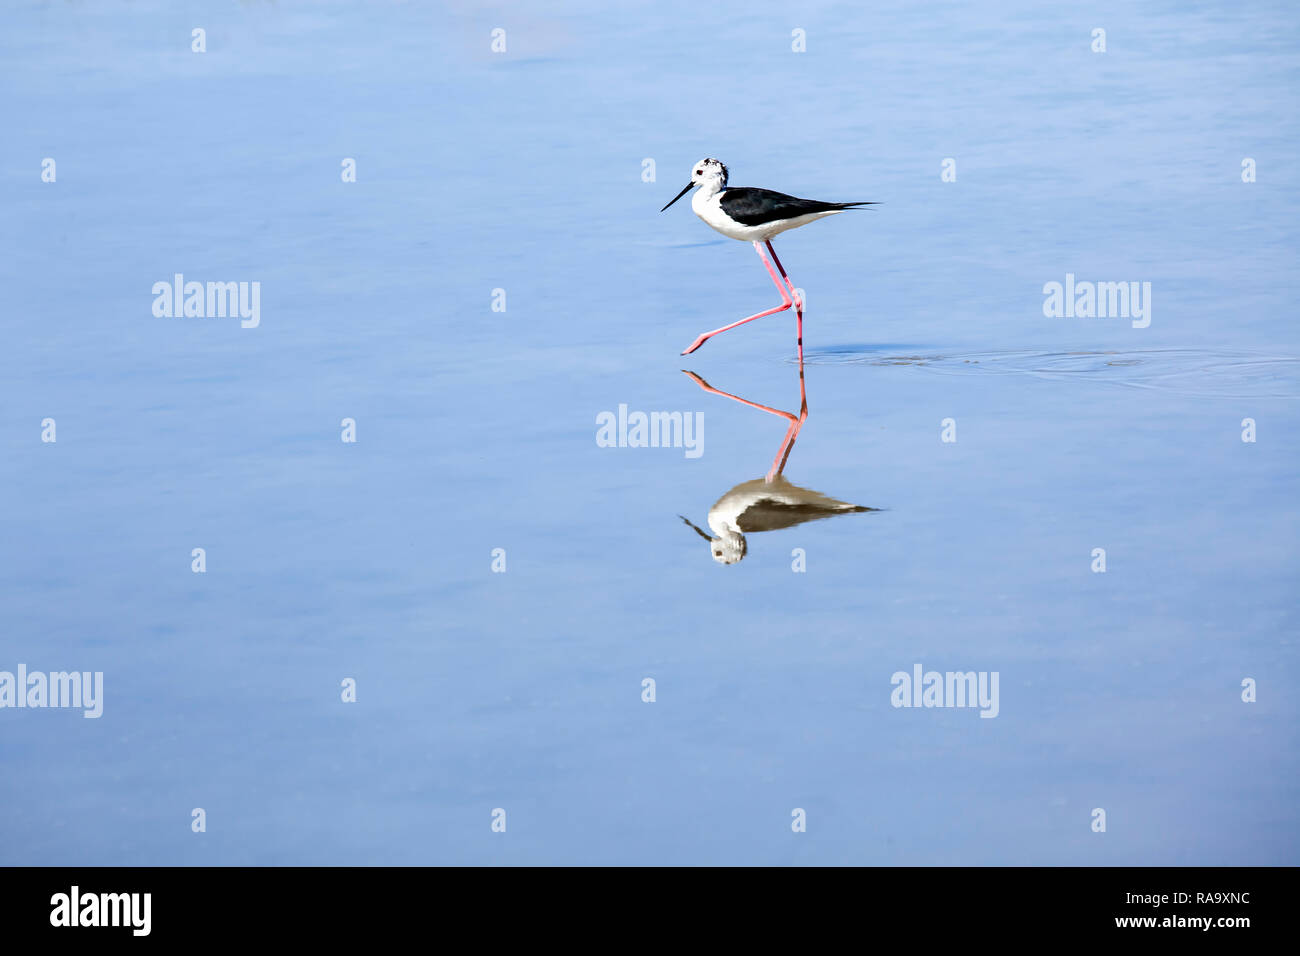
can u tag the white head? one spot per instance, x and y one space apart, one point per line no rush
707 169
709 173
728 548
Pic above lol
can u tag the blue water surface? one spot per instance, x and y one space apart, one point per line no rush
540 171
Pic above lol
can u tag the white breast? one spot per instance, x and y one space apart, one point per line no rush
709 208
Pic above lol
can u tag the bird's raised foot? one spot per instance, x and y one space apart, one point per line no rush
696 344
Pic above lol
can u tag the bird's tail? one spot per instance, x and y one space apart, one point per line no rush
850 205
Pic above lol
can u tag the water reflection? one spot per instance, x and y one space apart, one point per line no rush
770 502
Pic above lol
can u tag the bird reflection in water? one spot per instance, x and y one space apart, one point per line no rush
770 502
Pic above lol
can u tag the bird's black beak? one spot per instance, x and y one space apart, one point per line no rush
689 523
680 194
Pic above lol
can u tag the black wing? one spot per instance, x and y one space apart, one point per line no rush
768 514
751 206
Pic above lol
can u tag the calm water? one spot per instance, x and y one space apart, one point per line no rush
476 430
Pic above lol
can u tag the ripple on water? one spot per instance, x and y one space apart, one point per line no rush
1202 372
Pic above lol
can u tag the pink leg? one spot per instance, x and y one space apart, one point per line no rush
786 302
798 302
736 398
791 433
787 444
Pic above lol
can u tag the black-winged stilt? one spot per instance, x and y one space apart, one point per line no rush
770 502
753 215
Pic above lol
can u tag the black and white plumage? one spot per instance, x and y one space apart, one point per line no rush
752 206
750 213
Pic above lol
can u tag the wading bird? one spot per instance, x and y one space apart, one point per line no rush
753 215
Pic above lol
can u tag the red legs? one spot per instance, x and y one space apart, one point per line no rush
791 433
786 302
787 443
798 305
